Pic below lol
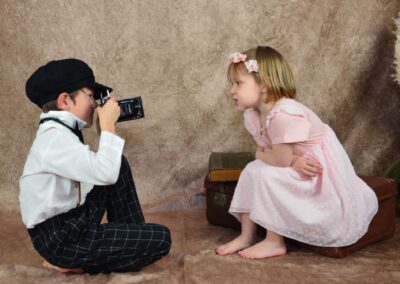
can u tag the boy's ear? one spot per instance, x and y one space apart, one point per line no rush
63 101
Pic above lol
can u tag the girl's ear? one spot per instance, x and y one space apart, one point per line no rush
264 88
63 101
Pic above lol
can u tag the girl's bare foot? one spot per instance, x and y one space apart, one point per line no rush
47 265
264 249
235 245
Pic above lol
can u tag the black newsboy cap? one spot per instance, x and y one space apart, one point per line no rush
58 76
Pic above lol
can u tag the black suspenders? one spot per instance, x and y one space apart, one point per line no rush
78 133
75 130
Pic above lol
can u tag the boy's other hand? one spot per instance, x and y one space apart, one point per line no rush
307 167
108 115
98 125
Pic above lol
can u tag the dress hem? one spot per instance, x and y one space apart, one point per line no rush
299 237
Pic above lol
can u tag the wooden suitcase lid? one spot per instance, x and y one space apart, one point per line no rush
224 187
383 187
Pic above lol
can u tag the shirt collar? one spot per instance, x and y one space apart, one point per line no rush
66 117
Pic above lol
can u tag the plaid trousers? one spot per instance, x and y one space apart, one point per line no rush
76 239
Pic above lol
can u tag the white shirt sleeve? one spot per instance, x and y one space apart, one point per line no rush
66 156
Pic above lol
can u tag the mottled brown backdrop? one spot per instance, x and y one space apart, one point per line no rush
174 55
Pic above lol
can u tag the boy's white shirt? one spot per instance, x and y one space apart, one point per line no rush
56 160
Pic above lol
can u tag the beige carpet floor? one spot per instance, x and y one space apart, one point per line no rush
192 259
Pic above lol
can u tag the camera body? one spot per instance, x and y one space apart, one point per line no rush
130 108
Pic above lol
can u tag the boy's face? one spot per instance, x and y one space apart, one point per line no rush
84 106
246 91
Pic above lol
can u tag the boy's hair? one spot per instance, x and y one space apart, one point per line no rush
52 105
274 72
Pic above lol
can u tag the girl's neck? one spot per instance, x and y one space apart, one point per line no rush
265 108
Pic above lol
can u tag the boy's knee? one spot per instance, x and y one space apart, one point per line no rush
125 168
124 159
124 163
165 240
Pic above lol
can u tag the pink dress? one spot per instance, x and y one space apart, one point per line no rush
332 209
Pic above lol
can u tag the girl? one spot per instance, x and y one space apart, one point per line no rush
331 209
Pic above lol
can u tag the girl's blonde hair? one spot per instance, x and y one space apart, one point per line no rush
273 71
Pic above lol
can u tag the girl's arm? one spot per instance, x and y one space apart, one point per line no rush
305 166
280 155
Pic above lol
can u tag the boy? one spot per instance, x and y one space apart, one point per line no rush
65 188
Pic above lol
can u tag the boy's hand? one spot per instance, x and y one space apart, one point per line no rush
98 125
307 167
108 115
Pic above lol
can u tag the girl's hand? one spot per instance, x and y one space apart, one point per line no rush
307 167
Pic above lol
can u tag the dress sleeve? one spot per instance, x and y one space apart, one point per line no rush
289 125
251 121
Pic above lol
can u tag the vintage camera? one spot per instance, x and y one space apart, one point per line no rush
130 108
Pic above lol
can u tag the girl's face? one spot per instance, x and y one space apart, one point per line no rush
246 92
